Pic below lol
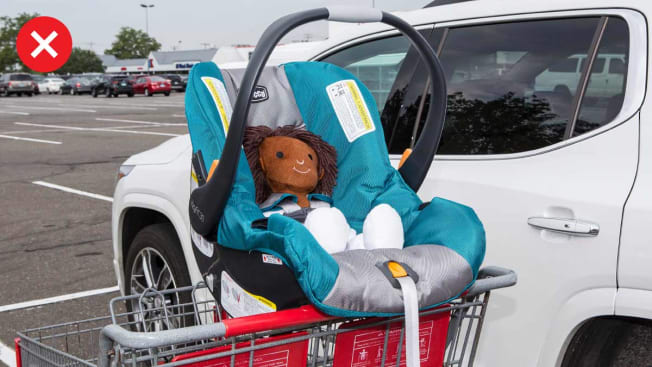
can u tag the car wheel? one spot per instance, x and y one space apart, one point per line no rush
167 94
94 93
19 94
147 93
130 95
155 260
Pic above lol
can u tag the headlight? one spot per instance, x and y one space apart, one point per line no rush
124 170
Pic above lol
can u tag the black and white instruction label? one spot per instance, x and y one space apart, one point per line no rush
351 109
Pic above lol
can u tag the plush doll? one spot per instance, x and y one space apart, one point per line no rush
294 172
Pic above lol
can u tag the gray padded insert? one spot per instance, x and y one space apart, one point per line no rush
279 109
361 286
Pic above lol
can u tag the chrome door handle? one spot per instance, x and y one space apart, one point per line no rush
572 227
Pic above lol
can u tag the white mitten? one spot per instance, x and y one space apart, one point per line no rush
383 228
356 241
329 227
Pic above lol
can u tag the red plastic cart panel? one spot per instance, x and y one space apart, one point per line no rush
364 347
288 355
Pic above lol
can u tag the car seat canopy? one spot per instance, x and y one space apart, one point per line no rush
444 241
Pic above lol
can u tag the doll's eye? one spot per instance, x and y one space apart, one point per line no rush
310 156
279 154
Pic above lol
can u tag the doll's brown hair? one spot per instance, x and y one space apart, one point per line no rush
326 156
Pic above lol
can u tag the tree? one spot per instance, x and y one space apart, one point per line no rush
132 43
9 28
81 61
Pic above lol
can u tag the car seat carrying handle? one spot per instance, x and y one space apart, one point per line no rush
207 202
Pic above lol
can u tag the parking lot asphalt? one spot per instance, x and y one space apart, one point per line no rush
54 242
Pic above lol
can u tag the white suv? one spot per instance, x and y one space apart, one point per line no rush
560 176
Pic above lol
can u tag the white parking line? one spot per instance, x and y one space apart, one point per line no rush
141 122
50 108
72 191
114 130
56 299
16 113
30 139
7 355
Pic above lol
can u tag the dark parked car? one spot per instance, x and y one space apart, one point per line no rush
76 85
17 83
150 85
176 83
113 85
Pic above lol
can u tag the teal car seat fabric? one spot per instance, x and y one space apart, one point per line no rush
444 241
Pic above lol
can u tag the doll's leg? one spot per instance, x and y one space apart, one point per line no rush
329 227
383 228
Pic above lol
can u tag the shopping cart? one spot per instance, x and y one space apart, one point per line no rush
157 328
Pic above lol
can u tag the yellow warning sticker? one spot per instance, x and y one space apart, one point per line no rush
351 110
221 99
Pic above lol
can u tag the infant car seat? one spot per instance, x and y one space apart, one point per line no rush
254 264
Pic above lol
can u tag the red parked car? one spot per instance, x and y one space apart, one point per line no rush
150 85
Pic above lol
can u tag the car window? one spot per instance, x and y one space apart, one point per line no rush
604 95
156 79
386 66
375 63
19 77
503 98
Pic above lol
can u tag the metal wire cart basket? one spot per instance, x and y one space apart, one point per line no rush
185 327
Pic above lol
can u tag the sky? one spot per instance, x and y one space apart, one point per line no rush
183 24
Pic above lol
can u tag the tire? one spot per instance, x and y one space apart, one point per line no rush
94 93
611 342
116 95
29 94
130 95
147 93
158 243
19 94
167 94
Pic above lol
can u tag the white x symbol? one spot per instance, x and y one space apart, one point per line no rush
44 44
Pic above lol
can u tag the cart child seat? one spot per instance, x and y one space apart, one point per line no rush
253 263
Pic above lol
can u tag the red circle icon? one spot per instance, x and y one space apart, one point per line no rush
44 44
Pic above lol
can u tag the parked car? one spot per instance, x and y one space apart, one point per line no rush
51 85
113 85
176 83
76 85
150 85
560 177
39 83
16 83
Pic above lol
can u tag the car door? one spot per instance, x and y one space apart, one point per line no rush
138 85
547 171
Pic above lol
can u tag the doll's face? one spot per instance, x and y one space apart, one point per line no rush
289 164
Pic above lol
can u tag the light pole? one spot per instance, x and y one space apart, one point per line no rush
147 6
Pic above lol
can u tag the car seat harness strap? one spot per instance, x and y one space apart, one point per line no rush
402 276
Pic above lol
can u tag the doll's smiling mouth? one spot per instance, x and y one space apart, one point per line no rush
301 172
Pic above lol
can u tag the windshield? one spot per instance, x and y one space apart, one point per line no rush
156 79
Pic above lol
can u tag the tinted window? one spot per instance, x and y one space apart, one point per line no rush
386 66
503 98
598 64
605 92
20 77
375 63
565 66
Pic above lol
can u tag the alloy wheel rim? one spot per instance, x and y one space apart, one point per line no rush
150 270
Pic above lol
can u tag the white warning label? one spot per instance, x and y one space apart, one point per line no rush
350 108
221 99
238 302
